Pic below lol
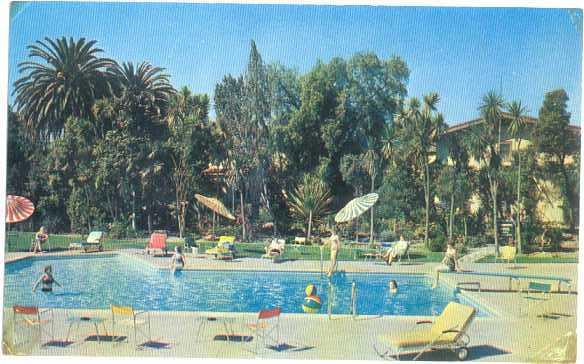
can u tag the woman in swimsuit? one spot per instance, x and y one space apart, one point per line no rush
47 280
177 261
335 244
449 263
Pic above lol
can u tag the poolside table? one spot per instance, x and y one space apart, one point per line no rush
76 321
227 323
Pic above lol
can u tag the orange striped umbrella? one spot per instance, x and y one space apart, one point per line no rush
18 209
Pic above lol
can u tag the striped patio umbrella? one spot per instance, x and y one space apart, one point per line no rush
215 205
18 209
356 207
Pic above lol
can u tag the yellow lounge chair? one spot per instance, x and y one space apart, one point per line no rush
224 248
448 331
508 253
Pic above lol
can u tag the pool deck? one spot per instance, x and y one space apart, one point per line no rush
507 335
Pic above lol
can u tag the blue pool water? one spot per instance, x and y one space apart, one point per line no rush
92 282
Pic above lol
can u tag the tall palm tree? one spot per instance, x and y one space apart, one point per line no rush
310 200
517 123
492 113
423 126
144 91
66 82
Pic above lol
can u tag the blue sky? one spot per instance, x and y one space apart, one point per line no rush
461 53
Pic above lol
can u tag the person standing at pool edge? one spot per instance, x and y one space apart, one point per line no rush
39 239
47 280
335 244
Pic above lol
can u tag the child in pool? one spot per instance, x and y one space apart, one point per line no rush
47 280
392 286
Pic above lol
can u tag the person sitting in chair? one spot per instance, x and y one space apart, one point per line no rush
391 253
39 239
275 248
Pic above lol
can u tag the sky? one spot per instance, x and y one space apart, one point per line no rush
461 53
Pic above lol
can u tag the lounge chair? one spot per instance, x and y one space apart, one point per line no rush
127 317
508 253
157 242
300 240
225 248
448 331
93 242
399 249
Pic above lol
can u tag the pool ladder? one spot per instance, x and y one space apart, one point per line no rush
331 294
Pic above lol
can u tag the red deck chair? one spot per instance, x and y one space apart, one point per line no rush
267 327
32 316
157 242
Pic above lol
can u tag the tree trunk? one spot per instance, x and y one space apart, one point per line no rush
149 222
465 231
243 229
372 213
518 217
427 200
451 219
567 197
178 211
495 230
309 226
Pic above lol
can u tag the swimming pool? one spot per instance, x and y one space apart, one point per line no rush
96 282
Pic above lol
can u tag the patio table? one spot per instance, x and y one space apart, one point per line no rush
76 321
227 323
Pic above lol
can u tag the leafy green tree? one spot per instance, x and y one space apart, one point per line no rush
556 141
310 201
70 78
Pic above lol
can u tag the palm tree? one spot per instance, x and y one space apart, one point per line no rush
144 91
492 113
423 127
66 83
310 200
517 123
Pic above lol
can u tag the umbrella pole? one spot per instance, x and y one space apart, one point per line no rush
321 260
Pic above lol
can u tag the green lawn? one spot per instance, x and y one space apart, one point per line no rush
537 258
20 241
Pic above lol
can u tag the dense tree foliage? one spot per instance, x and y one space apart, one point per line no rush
97 144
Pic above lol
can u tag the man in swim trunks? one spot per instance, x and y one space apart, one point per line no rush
47 280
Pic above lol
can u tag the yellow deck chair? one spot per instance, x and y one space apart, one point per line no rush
223 247
127 317
508 253
447 331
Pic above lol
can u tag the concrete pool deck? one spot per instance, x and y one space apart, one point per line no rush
509 335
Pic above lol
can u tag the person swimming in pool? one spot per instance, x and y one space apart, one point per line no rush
177 262
392 286
46 280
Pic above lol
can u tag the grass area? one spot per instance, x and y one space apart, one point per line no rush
20 242
559 257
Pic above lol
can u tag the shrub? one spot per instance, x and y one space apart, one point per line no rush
387 235
438 243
